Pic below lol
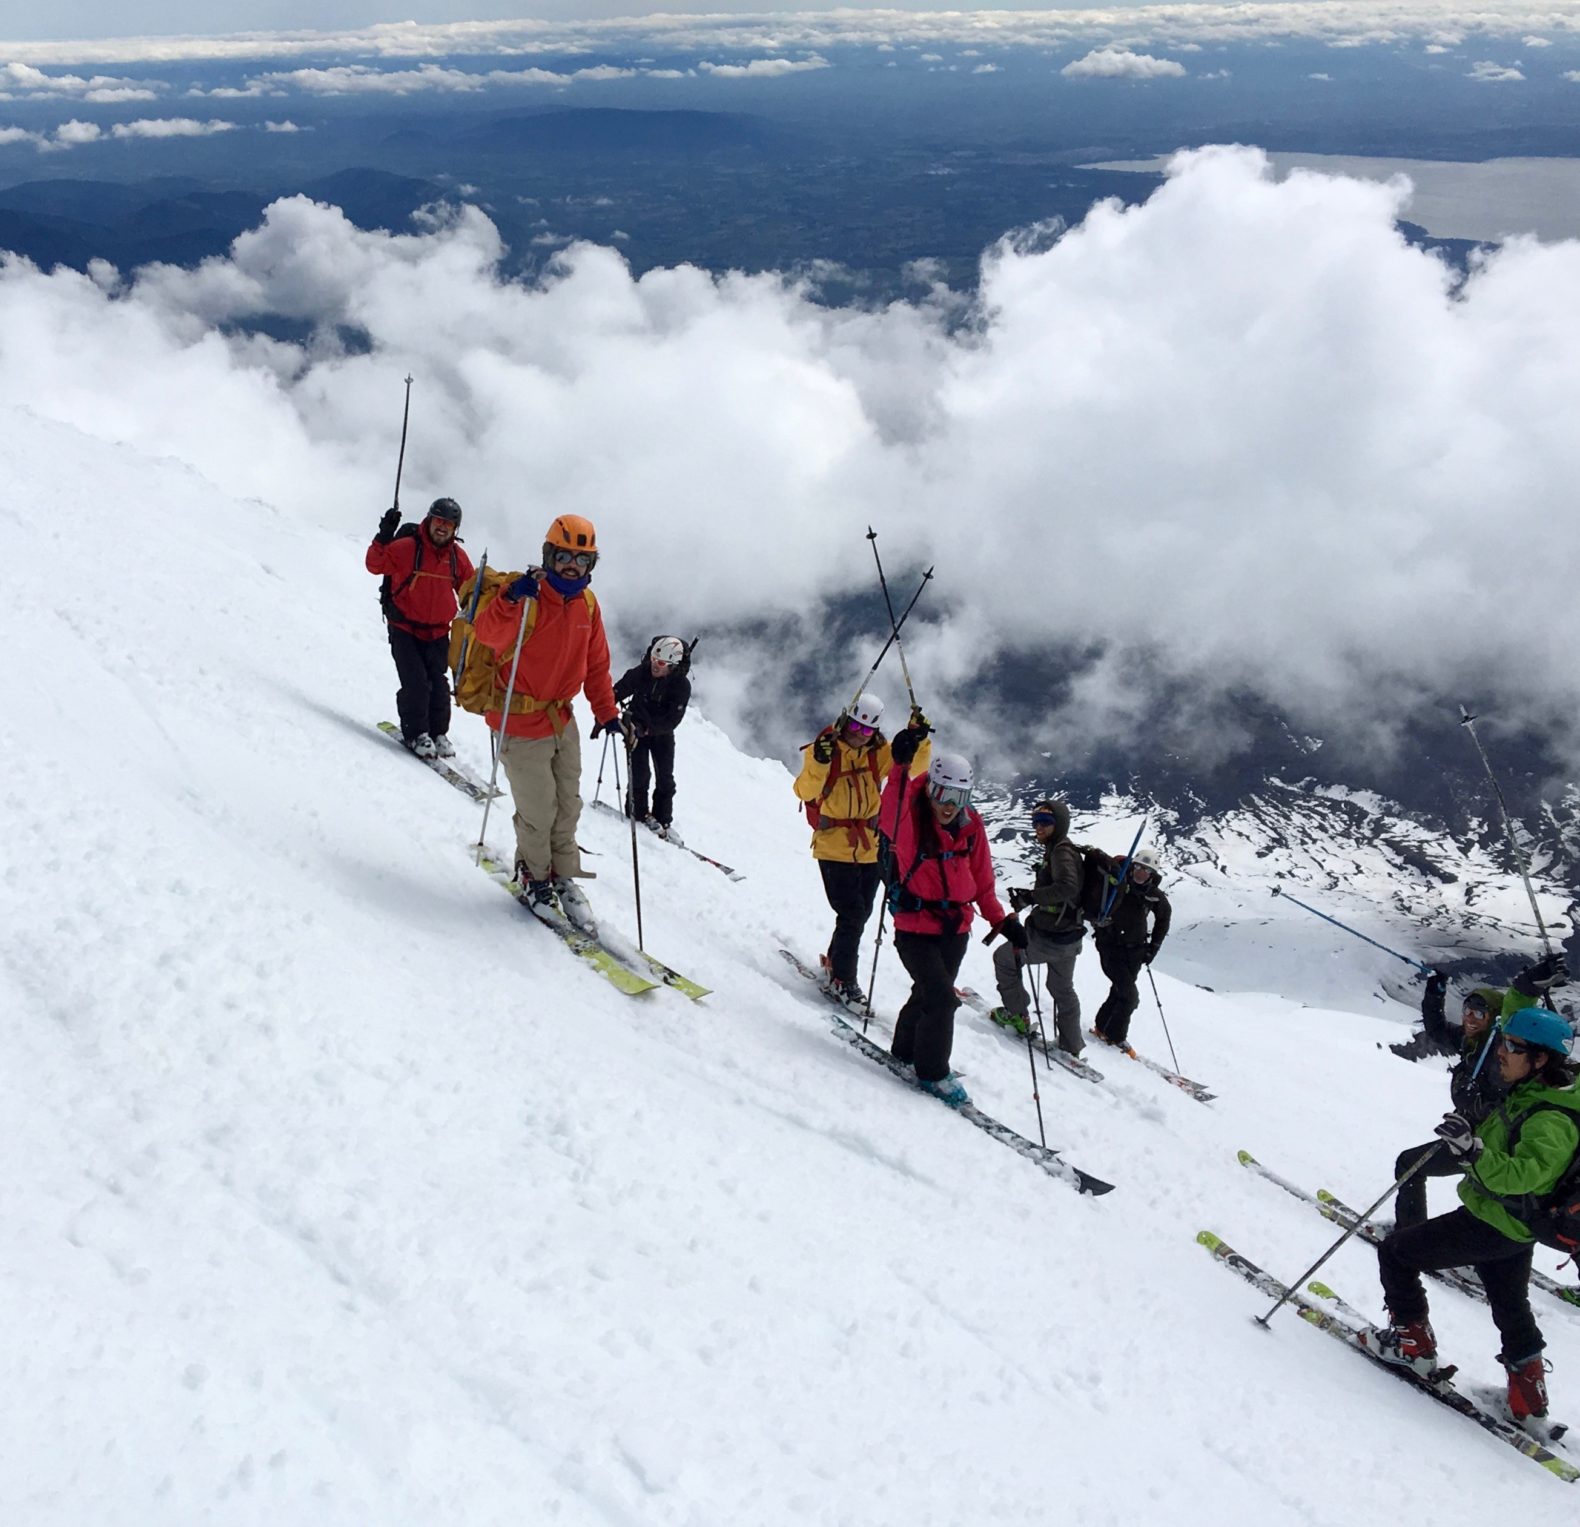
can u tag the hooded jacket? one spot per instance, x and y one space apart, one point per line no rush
1544 1142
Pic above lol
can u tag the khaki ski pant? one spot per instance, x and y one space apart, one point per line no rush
545 775
1059 958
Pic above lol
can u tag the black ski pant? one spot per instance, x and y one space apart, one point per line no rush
1411 1209
924 1033
653 763
851 890
1121 964
1461 1240
423 698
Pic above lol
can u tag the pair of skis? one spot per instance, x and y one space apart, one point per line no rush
722 868
1071 1063
1340 1213
1184 1083
1319 1306
1049 1160
451 772
632 971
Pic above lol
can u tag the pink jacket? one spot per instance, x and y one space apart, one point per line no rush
947 867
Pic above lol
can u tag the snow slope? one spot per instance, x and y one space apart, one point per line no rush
340 1194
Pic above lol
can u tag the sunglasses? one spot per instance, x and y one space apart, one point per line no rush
582 561
1516 1046
1043 819
857 729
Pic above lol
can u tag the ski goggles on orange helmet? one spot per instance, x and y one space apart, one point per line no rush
558 559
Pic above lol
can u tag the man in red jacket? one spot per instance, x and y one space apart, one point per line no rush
422 567
940 866
564 652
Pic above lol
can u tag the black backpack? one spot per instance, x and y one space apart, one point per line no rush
1552 1217
1095 867
387 593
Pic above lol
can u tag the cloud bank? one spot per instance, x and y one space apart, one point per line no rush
1342 22
1242 437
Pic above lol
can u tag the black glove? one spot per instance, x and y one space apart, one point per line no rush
1436 983
389 523
1457 1133
524 587
906 741
1149 954
823 748
919 722
1022 896
616 723
1014 935
1552 971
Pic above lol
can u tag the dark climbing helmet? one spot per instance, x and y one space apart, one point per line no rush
445 509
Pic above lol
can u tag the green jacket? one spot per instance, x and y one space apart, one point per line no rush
1547 1142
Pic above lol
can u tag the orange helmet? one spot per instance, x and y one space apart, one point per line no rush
570 532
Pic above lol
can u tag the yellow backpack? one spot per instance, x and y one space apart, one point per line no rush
479 673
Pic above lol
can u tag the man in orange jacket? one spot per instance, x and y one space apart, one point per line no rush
550 616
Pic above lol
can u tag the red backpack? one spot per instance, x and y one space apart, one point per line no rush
814 809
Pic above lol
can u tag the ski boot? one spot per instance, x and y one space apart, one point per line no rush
1018 1023
947 1089
573 904
536 895
443 747
849 993
1411 1344
1527 1388
422 746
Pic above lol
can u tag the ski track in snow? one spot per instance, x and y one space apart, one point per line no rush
341 1194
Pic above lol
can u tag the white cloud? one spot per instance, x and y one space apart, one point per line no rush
1305 443
1536 42
361 79
74 133
1488 71
1325 77
1573 75
19 81
1437 47
17 135
987 69
281 127
763 68
171 127
1121 63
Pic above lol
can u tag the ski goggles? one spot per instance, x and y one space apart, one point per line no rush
1517 1046
958 796
582 561
1044 819
859 729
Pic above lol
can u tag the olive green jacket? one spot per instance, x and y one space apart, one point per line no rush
1546 1141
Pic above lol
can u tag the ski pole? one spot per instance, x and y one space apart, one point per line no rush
636 859
1036 1007
1468 721
899 646
504 721
872 980
404 419
1124 869
1392 1188
603 758
894 635
1278 890
1168 1036
1031 1059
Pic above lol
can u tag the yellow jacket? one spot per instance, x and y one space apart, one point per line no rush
842 796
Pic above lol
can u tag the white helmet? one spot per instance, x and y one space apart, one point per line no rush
949 780
867 711
668 651
1147 858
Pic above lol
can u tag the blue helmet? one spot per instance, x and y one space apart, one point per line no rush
1541 1027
